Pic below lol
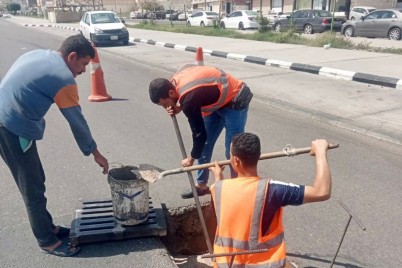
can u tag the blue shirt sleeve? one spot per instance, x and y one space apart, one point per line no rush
280 194
80 129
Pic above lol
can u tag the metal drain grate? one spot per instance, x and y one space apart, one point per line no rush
94 222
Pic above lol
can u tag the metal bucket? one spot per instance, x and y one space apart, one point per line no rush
130 195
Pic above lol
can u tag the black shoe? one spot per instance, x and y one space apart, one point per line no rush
189 194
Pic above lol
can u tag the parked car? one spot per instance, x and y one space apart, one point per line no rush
241 19
135 15
6 15
103 27
202 18
272 16
175 15
309 21
183 16
149 15
160 15
379 23
357 12
168 13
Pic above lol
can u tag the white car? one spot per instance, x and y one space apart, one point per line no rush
241 19
185 15
103 27
357 12
272 16
6 15
202 18
135 14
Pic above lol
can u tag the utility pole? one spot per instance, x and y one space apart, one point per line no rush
261 8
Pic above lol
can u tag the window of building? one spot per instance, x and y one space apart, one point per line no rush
320 4
304 4
277 4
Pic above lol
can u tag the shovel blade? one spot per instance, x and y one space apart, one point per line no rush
149 172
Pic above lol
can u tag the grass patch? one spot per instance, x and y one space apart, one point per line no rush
289 37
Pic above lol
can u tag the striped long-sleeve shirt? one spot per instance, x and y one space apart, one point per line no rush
34 82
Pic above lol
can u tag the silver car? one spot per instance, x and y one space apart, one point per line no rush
379 23
309 21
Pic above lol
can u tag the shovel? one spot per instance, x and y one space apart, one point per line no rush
152 174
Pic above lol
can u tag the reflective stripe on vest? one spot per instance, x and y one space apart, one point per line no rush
194 77
246 245
222 80
278 264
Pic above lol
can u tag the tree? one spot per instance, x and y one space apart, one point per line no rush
151 5
13 7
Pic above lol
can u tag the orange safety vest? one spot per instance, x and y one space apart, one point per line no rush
194 77
239 205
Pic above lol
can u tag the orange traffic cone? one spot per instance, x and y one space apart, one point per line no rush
98 83
199 57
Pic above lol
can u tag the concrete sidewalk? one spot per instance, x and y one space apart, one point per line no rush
360 66
382 121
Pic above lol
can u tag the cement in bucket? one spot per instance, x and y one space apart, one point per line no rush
130 195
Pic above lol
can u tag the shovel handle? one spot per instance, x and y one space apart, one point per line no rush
287 151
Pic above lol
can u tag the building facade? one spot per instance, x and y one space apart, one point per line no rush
288 5
222 6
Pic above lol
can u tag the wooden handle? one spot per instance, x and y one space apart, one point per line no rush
287 151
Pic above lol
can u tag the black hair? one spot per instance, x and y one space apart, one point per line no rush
247 147
159 89
79 44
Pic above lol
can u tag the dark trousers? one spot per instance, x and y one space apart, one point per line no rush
28 173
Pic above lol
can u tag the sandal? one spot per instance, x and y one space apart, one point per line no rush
64 231
64 250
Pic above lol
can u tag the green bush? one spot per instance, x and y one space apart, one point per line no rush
264 24
331 39
216 23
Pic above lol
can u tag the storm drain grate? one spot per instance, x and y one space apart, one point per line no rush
94 222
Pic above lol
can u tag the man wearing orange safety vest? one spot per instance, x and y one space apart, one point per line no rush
211 100
260 201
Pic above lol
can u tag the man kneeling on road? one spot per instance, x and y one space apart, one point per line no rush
211 100
260 201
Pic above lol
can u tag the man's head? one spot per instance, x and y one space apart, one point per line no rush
77 52
163 92
245 147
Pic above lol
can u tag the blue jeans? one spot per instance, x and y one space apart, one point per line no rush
28 173
234 122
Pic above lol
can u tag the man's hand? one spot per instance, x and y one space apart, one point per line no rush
172 110
319 147
187 162
321 188
217 171
101 160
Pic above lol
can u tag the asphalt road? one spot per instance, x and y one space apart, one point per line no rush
130 129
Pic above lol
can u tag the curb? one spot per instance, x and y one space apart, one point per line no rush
312 69
50 25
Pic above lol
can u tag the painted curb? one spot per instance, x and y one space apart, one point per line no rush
307 68
50 25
